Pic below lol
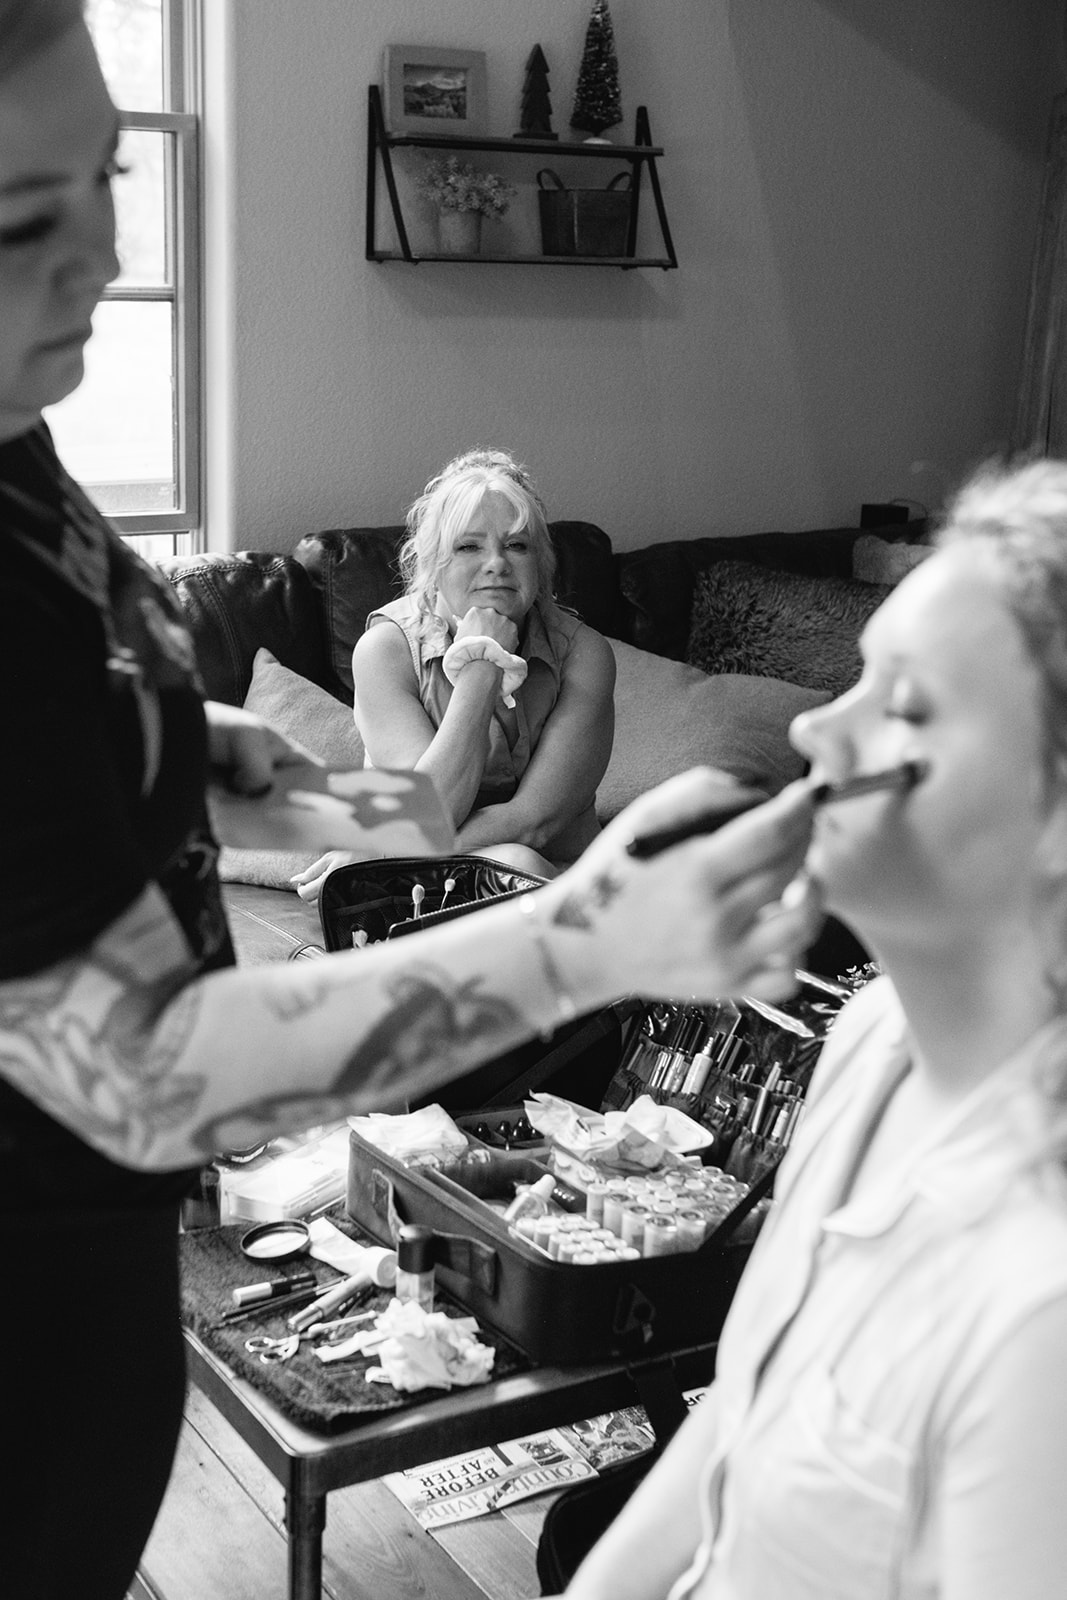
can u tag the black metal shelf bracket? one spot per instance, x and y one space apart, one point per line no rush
642 153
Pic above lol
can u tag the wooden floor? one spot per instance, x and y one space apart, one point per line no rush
219 1535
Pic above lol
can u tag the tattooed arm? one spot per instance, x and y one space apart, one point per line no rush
157 1067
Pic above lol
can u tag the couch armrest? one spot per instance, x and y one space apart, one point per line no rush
236 603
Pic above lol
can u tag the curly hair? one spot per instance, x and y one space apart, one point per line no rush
445 508
1015 519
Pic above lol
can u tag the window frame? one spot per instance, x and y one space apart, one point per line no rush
183 209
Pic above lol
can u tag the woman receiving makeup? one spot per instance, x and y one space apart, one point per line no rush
889 1415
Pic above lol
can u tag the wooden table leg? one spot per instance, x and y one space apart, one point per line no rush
305 1522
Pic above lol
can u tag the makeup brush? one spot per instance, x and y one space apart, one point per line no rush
902 779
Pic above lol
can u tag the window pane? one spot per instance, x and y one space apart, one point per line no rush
153 546
116 433
140 212
128 35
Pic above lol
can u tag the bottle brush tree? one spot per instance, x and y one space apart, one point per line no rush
597 103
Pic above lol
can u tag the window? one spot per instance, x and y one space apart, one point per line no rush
130 434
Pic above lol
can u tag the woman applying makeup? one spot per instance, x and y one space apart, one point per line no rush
889 1416
128 1040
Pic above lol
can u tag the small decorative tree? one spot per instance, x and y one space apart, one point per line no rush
535 121
597 103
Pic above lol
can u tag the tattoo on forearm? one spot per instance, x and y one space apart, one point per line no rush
432 1028
79 1041
290 1004
576 910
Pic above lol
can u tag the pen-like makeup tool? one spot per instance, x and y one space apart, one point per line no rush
903 779
650 844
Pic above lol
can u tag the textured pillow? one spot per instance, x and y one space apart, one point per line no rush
305 713
312 717
670 717
877 560
774 624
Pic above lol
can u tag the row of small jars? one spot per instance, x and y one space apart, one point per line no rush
627 1218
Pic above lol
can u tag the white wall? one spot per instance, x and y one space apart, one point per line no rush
853 192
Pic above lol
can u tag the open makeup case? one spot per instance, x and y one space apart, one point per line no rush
557 1312
367 901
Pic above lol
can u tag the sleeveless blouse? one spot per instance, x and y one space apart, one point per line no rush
545 643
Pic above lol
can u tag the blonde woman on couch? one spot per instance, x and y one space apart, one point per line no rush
128 1041
889 1416
476 676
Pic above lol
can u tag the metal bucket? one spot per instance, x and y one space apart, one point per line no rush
584 222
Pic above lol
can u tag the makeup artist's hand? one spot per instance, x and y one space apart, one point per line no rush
700 920
244 751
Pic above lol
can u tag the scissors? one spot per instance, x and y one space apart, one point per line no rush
271 1350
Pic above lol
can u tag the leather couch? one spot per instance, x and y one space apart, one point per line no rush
308 608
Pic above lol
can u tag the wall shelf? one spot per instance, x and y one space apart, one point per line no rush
640 155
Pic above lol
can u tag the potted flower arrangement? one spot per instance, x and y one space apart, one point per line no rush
463 195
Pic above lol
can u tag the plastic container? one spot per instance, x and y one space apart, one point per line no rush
532 1200
415 1263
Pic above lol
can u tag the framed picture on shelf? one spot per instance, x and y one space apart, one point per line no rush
427 89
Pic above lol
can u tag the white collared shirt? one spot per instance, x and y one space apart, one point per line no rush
851 1373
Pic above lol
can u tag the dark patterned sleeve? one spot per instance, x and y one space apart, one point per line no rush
69 860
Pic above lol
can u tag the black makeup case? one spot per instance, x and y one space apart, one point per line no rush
557 1313
372 900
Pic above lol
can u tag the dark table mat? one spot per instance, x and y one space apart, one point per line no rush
326 1397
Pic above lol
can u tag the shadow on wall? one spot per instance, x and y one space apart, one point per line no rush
933 40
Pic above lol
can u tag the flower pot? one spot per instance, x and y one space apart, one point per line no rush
459 233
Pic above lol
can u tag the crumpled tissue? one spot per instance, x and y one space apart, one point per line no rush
429 1130
427 1350
645 1136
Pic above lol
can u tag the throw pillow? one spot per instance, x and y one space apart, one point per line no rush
877 560
773 624
670 717
312 717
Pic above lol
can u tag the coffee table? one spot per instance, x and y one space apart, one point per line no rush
308 1465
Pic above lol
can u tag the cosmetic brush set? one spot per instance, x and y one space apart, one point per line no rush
740 1070
741 1076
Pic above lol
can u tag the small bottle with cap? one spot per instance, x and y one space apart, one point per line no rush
415 1257
531 1200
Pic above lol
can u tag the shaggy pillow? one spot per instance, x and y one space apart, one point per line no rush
309 716
776 624
877 560
670 717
